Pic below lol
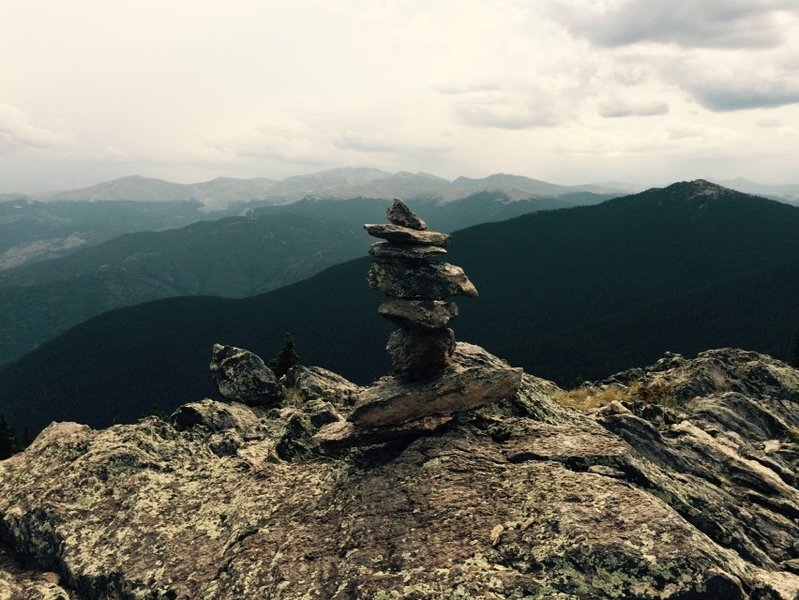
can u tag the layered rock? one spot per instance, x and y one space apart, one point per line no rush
727 423
420 280
407 235
427 314
428 386
519 498
415 288
392 402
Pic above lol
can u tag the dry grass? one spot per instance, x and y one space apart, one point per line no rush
293 397
589 397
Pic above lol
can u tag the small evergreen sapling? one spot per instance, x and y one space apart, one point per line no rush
285 359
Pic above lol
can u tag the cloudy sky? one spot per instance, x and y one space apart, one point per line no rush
569 91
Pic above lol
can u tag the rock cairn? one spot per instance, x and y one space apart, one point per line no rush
416 288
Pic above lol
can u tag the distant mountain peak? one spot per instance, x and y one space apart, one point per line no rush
702 188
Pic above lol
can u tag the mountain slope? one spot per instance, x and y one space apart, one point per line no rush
784 193
32 230
54 224
476 208
573 293
233 257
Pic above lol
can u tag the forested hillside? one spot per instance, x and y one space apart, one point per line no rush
568 295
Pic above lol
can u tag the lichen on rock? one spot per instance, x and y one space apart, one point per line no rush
518 498
456 477
244 377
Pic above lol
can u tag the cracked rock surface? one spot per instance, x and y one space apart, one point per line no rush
522 498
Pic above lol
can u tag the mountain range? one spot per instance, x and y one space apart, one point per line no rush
233 257
784 193
48 225
567 294
347 182
43 226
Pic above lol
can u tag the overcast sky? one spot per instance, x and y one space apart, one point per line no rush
569 91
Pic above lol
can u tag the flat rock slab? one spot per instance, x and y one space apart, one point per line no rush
399 214
406 235
392 402
343 434
431 281
429 314
404 251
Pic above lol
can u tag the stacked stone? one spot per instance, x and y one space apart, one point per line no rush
416 288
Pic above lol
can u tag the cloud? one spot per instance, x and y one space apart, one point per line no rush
16 131
351 141
504 116
518 107
282 144
686 23
615 108
467 88
322 143
369 144
741 95
725 84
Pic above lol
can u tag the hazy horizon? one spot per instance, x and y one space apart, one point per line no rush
629 186
565 91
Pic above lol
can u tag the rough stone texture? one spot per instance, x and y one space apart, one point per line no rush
430 281
723 370
406 235
392 401
388 250
729 431
399 214
420 353
429 314
286 432
242 376
17 583
316 383
518 499
346 434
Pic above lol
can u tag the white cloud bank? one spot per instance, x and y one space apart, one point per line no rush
565 90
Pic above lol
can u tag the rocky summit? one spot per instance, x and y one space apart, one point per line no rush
683 486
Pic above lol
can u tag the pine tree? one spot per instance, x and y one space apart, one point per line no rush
285 359
8 438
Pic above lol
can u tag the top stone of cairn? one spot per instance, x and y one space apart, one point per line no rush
399 214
